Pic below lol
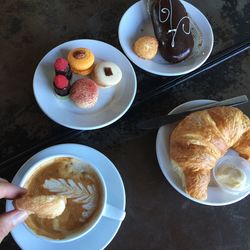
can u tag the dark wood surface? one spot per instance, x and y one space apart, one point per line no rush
157 216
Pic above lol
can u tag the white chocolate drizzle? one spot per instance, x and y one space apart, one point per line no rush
169 17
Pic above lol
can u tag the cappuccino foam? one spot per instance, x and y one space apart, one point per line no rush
82 187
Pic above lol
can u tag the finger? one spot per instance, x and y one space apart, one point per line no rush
10 191
9 220
3 180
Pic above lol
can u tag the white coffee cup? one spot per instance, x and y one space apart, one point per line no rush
107 210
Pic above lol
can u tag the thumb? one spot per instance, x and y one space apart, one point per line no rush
9 220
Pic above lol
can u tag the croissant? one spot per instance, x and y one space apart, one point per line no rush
243 145
201 139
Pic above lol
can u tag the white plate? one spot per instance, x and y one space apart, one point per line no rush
216 196
105 230
112 103
136 23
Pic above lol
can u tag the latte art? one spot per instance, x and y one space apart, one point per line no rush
81 186
87 195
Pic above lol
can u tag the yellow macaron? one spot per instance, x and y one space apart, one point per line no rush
81 60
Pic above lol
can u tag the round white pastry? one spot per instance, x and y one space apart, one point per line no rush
107 74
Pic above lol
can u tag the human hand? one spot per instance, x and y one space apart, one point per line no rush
12 218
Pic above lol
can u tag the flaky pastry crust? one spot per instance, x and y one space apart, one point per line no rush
201 139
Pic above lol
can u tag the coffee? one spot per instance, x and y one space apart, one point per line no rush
83 188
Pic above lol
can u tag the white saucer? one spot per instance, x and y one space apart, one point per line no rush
105 230
136 23
112 103
216 196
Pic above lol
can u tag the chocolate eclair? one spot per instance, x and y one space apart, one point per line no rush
172 29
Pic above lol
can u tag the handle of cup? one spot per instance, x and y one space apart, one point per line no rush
114 213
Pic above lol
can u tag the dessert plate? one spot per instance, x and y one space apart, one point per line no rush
216 196
105 230
130 29
112 103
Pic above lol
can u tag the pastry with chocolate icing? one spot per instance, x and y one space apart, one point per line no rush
107 74
172 29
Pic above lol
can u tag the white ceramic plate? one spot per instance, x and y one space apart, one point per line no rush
136 23
112 103
216 196
105 230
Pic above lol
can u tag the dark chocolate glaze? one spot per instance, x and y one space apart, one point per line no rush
183 43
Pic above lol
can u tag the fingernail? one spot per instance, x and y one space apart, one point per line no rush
19 217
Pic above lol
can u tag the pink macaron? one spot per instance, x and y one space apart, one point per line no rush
84 93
